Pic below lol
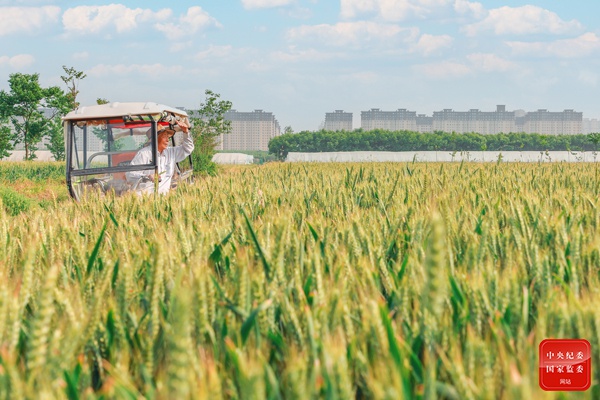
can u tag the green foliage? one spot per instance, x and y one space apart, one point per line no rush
102 134
381 140
594 137
66 103
14 203
203 163
56 139
26 186
21 106
71 79
208 123
6 140
37 172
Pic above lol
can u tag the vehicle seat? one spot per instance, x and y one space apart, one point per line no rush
122 159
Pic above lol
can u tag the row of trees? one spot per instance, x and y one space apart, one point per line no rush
22 119
381 140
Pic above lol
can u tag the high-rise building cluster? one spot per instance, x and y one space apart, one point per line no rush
249 130
567 122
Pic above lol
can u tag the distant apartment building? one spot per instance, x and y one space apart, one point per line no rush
590 125
398 120
474 120
424 123
338 121
567 122
249 130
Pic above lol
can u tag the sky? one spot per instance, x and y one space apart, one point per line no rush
300 59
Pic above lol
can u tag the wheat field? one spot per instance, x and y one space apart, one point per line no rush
306 281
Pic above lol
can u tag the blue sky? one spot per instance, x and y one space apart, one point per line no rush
302 58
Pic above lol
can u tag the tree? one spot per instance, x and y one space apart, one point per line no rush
594 137
381 140
6 139
208 123
63 105
288 129
56 139
21 105
60 104
71 79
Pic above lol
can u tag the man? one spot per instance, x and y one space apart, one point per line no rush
167 159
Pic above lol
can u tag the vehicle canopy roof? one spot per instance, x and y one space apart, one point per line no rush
118 109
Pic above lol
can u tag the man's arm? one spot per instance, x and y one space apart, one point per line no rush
186 148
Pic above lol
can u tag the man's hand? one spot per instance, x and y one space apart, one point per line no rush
184 126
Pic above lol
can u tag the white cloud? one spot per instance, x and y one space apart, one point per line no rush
465 7
153 70
26 19
477 62
352 33
521 21
17 62
194 20
250 4
490 62
25 2
214 52
391 10
96 19
443 70
300 13
21 61
81 56
398 10
294 55
180 46
429 44
258 66
354 8
581 46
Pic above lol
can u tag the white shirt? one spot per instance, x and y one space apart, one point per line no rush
166 166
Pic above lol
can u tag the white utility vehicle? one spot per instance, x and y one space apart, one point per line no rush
101 141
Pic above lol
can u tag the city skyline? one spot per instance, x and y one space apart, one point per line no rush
301 58
252 130
542 121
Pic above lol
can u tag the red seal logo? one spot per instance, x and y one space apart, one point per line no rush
565 364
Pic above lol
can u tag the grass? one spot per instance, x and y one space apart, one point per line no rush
28 185
32 171
305 281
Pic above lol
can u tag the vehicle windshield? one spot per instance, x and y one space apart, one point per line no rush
101 144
